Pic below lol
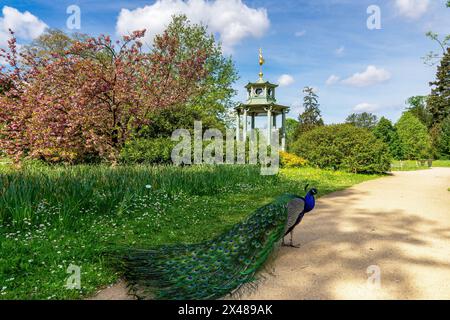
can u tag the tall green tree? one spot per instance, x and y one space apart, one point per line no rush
444 145
213 103
386 132
311 117
417 105
441 139
52 42
364 120
414 137
439 100
438 104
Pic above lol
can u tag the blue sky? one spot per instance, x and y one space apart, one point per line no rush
307 41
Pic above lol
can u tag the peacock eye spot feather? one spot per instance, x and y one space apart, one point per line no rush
213 268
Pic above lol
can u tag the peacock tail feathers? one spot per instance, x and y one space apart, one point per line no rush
214 268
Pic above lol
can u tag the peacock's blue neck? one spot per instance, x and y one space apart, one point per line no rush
310 202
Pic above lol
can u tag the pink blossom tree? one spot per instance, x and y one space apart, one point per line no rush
90 98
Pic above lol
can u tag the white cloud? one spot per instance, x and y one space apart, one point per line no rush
371 76
286 80
25 25
340 51
231 19
365 107
300 33
412 8
333 79
297 108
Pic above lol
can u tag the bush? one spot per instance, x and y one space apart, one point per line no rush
387 133
414 137
344 147
148 151
440 134
289 160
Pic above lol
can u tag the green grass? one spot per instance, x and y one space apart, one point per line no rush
51 217
441 163
408 165
412 165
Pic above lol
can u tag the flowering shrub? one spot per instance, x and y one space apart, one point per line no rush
89 99
289 160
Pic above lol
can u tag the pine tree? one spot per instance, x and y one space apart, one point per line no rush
311 117
439 100
444 141
439 104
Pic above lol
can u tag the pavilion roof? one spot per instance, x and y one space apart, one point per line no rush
261 108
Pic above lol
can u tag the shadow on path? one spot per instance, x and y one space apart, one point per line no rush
377 223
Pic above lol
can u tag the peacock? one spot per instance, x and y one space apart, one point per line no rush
216 268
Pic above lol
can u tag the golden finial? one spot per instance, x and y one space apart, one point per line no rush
261 62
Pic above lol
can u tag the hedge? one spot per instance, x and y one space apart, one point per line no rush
344 147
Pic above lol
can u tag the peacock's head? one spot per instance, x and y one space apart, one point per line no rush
310 201
312 191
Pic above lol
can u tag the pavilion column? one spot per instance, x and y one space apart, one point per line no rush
238 126
253 121
269 125
245 125
274 121
283 130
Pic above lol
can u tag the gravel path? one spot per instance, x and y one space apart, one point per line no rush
398 226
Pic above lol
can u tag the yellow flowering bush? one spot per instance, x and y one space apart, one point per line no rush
289 160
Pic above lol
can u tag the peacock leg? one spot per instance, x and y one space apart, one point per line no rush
292 241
